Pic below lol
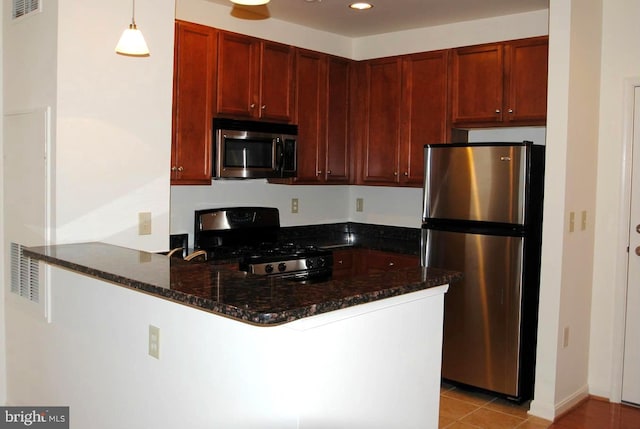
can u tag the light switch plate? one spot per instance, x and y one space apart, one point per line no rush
144 223
154 341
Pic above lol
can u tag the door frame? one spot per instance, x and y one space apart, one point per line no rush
622 257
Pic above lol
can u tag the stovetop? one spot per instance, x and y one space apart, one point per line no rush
250 234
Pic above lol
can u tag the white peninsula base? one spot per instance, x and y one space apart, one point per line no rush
374 365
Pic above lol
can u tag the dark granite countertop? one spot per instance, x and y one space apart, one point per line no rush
221 289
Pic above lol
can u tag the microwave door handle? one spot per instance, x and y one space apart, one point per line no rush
279 156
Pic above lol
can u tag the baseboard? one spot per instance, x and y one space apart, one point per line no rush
551 411
572 401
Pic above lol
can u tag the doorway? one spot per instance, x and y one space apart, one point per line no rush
631 362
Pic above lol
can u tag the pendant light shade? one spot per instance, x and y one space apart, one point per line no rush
250 2
132 41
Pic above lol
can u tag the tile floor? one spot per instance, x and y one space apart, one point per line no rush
460 409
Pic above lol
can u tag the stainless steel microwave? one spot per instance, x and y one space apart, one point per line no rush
250 149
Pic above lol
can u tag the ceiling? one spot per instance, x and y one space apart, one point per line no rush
386 16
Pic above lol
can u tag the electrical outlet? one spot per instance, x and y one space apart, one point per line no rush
144 223
154 341
294 205
359 204
583 221
572 221
565 337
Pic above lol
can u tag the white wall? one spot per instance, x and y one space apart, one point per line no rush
446 36
111 124
3 366
114 123
620 60
219 16
29 84
572 127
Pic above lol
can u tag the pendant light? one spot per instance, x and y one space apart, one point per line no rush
250 2
132 42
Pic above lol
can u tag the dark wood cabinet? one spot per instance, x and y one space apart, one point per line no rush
527 81
193 100
337 148
379 155
406 108
424 111
357 262
343 264
360 122
322 99
377 261
255 78
500 84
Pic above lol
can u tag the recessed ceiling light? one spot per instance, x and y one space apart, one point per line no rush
250 2
361 6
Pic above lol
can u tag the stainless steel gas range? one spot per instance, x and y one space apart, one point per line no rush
251 235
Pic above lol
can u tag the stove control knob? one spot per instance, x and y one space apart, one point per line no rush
282 267
322 262
310 263
268 268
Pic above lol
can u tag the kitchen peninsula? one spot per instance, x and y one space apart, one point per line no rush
241 351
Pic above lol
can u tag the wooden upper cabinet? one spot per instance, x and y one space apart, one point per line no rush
193 98
277 82
477 84
380 152
311 77
527 80
338 150
406 108
500 83
322 99
424 111
255 78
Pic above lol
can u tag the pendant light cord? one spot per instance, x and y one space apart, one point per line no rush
133 14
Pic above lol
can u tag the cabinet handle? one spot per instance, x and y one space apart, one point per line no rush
264 106
328 171
497 110
340 262
395 173
510 110
391 264
406 173
319 172
174 168
253 105
180 168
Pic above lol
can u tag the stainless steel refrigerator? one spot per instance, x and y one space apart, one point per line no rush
482 215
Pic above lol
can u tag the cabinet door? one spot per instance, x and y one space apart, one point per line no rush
527 80
277 83
343 264
193 98
424 107
238 56
477 84
337 120
380 152
379 261
311 76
